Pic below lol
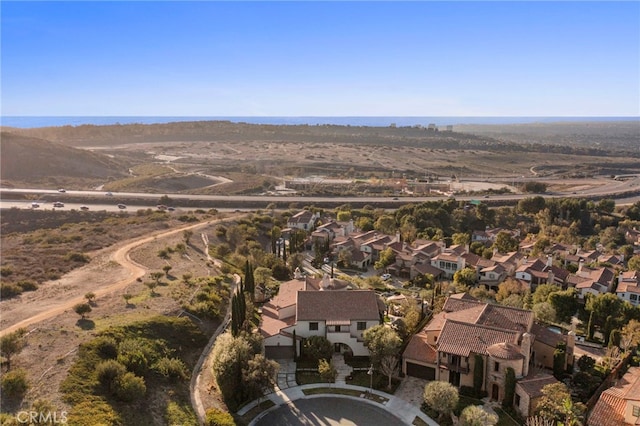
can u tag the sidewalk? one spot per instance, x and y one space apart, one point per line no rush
406 410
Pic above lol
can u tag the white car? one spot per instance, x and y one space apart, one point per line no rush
385 277
108 194
62 190
35 205
122 206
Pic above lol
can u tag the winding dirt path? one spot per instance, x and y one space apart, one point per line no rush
40 309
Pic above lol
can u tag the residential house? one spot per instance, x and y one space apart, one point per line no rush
304 220
628 288
592 280
449 261
466 331
537 272
529 392
306 307
620 404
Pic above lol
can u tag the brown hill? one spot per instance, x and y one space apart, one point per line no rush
27 159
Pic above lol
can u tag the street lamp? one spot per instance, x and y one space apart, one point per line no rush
370 373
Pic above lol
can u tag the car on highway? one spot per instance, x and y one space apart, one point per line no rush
84 208
161 207
62 190
171 209
122 206
108 194
35 205
58 204
385 277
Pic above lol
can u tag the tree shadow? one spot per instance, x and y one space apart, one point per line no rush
86 324
130 305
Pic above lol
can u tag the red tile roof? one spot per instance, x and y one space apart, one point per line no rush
462 339
337 305
532 385
609 410
419 349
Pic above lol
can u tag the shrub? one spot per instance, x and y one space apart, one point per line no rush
82 309
106 347
215 417
77 257
108 371
5 271
171 367
8 290
129 387
14 383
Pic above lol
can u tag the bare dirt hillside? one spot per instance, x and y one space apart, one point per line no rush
28 158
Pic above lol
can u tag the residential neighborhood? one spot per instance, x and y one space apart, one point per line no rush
469 335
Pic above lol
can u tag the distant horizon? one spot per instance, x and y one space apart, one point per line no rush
36 121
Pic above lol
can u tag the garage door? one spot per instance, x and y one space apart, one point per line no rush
278 352
420 371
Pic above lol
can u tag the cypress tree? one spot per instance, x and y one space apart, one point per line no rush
509 387
478 375
234 315
590 329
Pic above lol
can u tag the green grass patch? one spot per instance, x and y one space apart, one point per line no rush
505 419
380 381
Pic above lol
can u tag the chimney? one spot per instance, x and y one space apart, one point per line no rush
549 260
580 264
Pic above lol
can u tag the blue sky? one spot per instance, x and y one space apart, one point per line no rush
359 58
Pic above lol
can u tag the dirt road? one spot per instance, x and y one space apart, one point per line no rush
98 277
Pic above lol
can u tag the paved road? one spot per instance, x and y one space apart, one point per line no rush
329 411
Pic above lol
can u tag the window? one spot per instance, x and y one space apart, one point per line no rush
517 400
636 411
362 325
337 329
313 326
496 366
633 296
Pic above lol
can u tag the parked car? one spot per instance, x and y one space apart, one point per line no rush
58 204
385 277
84 208
122 206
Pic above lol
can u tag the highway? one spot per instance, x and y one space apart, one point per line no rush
624 192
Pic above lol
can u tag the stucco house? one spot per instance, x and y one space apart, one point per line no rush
628 288
306 307
304 220
620 404
468 331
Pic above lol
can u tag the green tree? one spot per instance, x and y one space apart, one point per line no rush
478 375
166 269
11 344
381 341
249 279
509 287
461 238
14 383
505 243
317 348
343 216
91 297
364 224
465 277
327 371
634 263
186 235
544 312
259 374
387 257
82 309
565 304
386 224
442 397
509 387
475 415
229 355
553 405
